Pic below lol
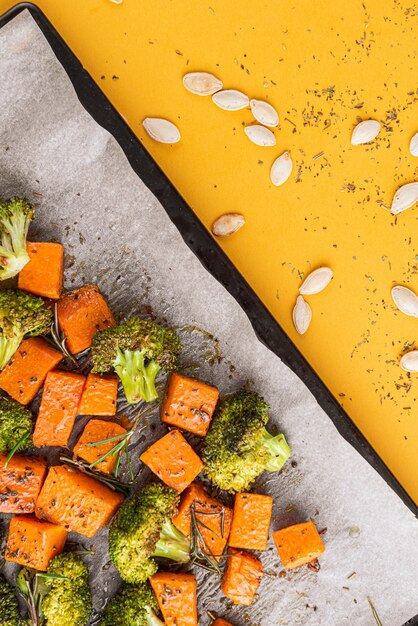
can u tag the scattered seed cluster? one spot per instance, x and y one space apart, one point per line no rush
366 131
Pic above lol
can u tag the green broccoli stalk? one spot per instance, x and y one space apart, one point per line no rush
135 605
21 315
279 451
9 607
15 216
237 447
172 544
135 350
16 427
142 529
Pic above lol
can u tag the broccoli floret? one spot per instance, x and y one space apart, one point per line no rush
238 447
15 216
21 315
67 601
9 607
142 529
135 350
16 425
135 605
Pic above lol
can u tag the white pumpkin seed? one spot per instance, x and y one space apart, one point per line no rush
260 135
413 145
264 112
409 361
302 315
316 281
230 100
365 132
406 300
116 1
161 130
227 224
281 169
404 198
202 83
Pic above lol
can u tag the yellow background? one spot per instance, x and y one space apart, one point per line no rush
324 65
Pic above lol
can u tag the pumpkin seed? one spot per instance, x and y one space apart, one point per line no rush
161 130
404 198
260 135
365 132
227 224
202 83
281 169
413 145
230 100
264 112
406 300
302 315
409 361
316 281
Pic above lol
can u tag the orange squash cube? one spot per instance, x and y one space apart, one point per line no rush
76 501
176 597
43 274
243 574
99 430
81 313
220 621
215 518
99 395
251 521
298 544
189 404
26 371
173 460
21 482
57 412
32 542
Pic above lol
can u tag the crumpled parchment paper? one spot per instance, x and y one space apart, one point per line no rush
116 234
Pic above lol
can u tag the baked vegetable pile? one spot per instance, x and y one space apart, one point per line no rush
176 518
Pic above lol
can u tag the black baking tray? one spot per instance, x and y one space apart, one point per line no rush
205 247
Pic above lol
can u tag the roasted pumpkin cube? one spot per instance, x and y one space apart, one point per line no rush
76 501
99 395
26 371
173 460
242 577
298 544
213 518
32 542
43 275
60 399
99 430
81 313
189 404
251 521
176 596
21 482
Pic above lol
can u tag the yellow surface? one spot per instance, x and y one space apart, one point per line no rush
323 64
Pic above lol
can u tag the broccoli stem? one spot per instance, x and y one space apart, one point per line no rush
172 544
8 347
153 620
279 451
137 377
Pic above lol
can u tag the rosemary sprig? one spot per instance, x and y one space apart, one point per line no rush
59 339
200 553
15 448
375 615
118 449
106 479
